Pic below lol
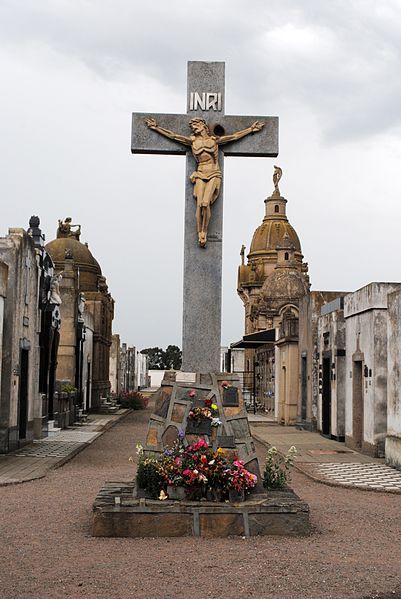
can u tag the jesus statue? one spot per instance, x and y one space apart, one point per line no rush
207 177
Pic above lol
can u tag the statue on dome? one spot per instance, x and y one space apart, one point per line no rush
278 172
242 254
65 229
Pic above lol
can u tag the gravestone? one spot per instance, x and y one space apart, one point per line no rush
203 263
232 433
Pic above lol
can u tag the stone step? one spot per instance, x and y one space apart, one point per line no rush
53 432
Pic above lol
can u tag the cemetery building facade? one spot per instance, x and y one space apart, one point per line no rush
29 332
366 322
88 308
321 398
349 373
271 285
393 435
133 369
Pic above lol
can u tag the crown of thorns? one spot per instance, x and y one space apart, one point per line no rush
198 120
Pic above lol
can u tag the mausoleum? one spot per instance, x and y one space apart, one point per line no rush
88 310
271 285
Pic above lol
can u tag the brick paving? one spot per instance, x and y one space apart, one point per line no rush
365 476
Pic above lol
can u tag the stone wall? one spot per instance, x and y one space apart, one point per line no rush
115 364
365 312
66 363
19 392
87 361
3 295
331 343
309 356
393 438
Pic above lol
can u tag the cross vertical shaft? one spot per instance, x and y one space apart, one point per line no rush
201 326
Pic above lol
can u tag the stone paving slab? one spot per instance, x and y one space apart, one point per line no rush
330 462
70 436
312 447
54 448
38 458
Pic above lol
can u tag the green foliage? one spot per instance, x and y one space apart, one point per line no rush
133 400
155 357
149 478
168 359
277 468
68 388
172 357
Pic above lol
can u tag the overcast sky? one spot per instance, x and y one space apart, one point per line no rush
72 71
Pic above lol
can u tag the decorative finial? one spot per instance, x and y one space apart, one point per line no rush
278 172
242 254
34 222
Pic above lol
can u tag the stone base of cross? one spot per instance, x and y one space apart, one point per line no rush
201 339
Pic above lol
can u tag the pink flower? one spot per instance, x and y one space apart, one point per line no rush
192 393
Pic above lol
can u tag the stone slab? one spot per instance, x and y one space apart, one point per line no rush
272 513
185 377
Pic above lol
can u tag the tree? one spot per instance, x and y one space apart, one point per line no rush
155 357
168 359
172 357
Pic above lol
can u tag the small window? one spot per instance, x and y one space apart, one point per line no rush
286 256
276 208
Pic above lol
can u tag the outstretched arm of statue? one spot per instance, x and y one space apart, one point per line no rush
152 124
225 139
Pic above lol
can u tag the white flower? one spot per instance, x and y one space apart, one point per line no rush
139 449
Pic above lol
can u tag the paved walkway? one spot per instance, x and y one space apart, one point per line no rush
327 461
36 459
322 459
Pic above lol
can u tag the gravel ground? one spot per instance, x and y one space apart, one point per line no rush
46 550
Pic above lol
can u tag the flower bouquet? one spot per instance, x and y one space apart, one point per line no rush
200 473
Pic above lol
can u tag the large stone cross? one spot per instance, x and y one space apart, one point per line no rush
203 265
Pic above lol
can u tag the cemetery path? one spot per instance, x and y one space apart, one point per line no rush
46 550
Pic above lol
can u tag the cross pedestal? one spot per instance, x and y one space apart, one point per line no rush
201 339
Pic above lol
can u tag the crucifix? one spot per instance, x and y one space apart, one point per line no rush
205 135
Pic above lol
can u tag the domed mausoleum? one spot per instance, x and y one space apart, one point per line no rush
87 310
270 285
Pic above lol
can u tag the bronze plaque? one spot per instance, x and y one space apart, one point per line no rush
230 396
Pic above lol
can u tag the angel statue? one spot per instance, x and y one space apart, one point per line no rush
278 172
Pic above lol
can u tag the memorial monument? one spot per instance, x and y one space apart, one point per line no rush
205 135
200 409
